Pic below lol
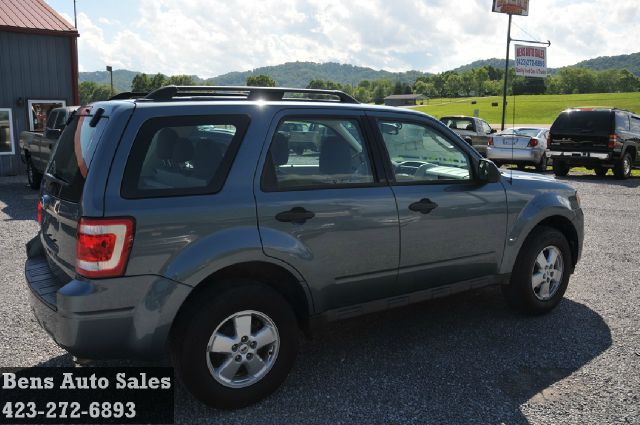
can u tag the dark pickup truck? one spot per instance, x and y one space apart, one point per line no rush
36 146
595 138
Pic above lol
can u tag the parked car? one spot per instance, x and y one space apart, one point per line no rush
182 223
473 130
521 146
596 138
36 147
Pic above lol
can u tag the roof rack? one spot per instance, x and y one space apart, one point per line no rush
167 93
128 95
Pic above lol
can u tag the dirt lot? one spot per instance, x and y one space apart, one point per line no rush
463 359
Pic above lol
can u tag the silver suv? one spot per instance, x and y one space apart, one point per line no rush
184 222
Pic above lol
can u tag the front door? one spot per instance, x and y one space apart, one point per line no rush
324 209
452 227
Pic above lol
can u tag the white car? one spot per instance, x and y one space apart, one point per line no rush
521 146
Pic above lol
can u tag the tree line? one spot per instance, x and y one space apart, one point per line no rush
484 81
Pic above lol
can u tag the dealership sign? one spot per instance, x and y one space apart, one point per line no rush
531 61
512 7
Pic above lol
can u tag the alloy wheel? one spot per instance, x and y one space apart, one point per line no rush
242 349
548 269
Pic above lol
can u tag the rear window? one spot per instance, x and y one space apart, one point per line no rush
584 122
187 155
458 123
73 154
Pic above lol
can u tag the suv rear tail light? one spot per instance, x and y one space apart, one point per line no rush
613 141
532 142
39 211
490 141
103 246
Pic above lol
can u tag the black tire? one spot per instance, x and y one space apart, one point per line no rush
601 171
520 293
33 176
521 166
622 168
560 168
198 321
298 150
541 166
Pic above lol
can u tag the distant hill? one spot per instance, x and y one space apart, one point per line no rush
630 62
121 78
298 74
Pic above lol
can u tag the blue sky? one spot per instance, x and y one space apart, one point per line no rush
212 37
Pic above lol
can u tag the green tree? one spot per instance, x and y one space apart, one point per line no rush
181 80
261 81
93 92
158 81
141 83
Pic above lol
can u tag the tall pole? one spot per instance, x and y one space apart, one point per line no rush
110 70
506 72
75 18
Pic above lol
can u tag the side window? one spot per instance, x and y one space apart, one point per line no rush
317 153
622 122
421 154
188 155
486 127
635 125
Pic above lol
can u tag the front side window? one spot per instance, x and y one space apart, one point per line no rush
310 153
188 155
419 153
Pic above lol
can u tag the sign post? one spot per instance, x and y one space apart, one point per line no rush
521 8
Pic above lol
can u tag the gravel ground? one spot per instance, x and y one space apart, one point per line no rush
463 359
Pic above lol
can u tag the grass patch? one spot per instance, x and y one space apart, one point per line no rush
529 109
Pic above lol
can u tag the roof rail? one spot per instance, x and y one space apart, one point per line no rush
249 93
128 95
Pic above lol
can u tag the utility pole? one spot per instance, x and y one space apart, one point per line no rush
110 70
506 74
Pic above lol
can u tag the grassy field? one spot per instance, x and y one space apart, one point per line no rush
530 109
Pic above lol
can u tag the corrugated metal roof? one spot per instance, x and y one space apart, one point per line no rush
34 16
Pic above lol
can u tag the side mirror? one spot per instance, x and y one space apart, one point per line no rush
493 130
488 171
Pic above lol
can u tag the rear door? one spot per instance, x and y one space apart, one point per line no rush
63 187
329 214
452 227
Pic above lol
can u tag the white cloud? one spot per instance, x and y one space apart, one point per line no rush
209 38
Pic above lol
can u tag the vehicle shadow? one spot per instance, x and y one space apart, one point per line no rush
463 359
17 200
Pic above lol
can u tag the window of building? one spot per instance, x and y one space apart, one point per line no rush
39 112
6 132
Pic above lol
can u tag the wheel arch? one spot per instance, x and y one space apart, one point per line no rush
277 277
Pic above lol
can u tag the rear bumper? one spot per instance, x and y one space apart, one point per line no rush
514 155
127 317
582 158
